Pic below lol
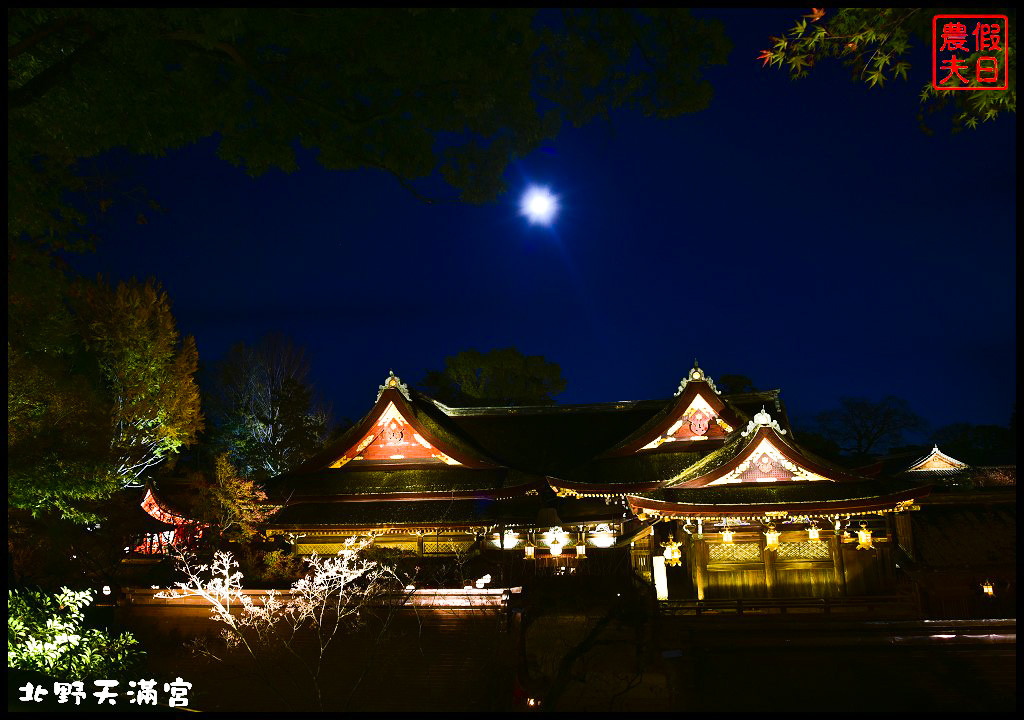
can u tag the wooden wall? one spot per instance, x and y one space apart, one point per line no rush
798 568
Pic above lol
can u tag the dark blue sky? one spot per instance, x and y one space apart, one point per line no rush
806 234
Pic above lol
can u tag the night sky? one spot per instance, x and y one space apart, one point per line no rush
807 234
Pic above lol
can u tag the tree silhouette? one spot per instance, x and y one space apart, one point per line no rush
859 426
499 377
412 93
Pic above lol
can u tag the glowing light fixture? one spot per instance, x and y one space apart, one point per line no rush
528 550
660 578
581 550
727 535
771 538
555 548
538 205
672 552
106 590
988 588
863 537
812 532
603 537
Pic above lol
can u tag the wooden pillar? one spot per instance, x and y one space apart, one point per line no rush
769 567
836 548
890 553
700 560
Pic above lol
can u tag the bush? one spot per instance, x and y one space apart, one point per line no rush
45 633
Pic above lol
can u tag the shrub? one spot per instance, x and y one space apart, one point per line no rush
45 633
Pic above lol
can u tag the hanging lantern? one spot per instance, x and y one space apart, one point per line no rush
988 588
555 548
581 550
771 538
672 552
528 550
727 535
812 532
863 537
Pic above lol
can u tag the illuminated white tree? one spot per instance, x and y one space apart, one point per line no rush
330 597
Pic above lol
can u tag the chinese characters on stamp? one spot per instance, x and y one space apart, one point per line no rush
970 52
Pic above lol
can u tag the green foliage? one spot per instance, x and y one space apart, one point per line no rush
232 504
132 336
366 88
498 377
875 44
46 633
99 386
266 415
274 568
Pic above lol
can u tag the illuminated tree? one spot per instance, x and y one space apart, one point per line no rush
230 503
328 600
266 416
875 43
498 377
100 389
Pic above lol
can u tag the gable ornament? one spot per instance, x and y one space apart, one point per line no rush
395 382
762 419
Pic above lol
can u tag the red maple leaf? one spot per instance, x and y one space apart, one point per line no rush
816 14
765 55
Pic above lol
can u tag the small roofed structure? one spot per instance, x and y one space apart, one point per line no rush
168 528
937 461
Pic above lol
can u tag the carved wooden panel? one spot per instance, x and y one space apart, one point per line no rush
735 552
807 550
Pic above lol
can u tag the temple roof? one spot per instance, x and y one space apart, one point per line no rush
488 463
937 461
762 436
410 513
795 498
404 480
434 440
555 439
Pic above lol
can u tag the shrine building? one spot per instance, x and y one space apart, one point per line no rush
706 495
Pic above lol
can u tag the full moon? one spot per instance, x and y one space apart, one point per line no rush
538 205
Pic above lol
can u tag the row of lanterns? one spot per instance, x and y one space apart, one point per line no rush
557 540
771 536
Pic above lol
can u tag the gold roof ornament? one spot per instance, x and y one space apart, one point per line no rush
696 375
393 382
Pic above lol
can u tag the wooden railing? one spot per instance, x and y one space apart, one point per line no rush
902 605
